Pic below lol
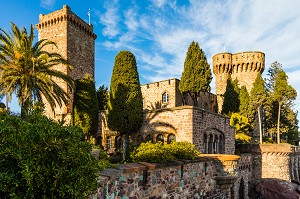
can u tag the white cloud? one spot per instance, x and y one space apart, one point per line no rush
110 19
159 3
48 4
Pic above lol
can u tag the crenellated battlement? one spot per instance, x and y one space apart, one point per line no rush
243 66
65 15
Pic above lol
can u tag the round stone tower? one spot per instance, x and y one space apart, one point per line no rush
246 66
222 66
243 66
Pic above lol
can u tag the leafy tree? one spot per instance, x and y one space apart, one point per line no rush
283 93
102 96
196 75
244 101
257 98
231 101
240 123
28 69
40 158
85 106
125 105
289 123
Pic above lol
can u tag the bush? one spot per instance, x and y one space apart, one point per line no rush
40 158
159 153
183 150
241 138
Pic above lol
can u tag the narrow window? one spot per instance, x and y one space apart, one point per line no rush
108 143
165 97
171 138
160 138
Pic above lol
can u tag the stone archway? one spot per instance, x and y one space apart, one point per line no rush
213 141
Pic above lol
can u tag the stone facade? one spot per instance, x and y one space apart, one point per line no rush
242 66
75 41
202 178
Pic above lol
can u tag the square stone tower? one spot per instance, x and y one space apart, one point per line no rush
75 41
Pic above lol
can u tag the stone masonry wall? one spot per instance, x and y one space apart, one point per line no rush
152 96
75 42
179 179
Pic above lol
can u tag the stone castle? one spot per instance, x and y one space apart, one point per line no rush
220 173
75 41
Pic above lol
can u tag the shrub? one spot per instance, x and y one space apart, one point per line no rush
241 138
159 152
183 150
149 152
40 158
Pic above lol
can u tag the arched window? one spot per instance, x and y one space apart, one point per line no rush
171 138
139 140
160 138
108 142
148 138
118 143
205 141
165 97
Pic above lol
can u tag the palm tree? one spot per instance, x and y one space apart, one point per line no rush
28 70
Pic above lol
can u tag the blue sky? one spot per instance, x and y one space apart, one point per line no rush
158 32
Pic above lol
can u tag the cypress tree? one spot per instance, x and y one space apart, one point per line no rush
85 106
196 75
102 95
244 101
283 93
257 98
231 100
125 105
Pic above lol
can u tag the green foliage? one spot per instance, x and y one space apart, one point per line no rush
85 106
40 158
257 97
102 96
125 105
183 150
241 138
196 75
244 101
159 152
267 140
240 123
28 70
231 101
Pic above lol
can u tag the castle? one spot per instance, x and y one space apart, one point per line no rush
165 120
75 41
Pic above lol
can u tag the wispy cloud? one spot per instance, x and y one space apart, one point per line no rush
48 4
110 19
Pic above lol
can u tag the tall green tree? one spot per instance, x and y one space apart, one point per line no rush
196 75
257 98
283 93
125 105
29 71
231 100
102 96
244 101
85 106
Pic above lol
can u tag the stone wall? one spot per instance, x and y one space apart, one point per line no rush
207 177
75 42
190 124
153 92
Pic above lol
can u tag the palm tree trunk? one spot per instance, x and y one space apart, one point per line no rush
278 123
259 124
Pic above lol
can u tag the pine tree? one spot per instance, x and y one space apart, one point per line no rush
196 75
257 98
244 101
283 93
125 105
231 101
85 106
